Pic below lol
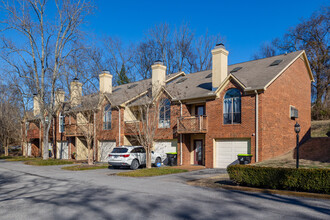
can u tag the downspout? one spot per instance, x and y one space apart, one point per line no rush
94 142
119 128
180 135
257 125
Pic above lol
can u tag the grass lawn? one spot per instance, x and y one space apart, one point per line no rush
152 172
320 128
49 162
288 161
22 158
86 167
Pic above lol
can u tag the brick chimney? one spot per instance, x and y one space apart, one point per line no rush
36 105
158 76
76 92
105 82
219 65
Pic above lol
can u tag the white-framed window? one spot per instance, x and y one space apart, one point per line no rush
165 114
61 123
107 117
232 107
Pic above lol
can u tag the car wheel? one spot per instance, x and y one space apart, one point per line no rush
158 160
135 164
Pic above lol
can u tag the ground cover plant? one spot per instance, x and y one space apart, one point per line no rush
86 167
152 172
49 162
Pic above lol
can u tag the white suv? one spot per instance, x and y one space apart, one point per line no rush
132 156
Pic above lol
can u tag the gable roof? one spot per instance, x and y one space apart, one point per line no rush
251 75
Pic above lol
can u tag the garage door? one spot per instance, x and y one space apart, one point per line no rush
166 146
105 149
227 150
62 150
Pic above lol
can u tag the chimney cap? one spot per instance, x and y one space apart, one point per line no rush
219 45
105 71
159 62
75 79
35 94
60 90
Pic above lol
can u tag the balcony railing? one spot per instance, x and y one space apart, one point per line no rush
79 130
192 124
132 127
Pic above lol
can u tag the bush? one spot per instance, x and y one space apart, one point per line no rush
306 180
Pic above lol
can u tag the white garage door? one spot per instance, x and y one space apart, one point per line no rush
227 150
105 149
165 146
62 150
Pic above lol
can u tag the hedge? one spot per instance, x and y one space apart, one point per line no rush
305 180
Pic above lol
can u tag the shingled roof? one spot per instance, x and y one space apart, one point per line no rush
255 74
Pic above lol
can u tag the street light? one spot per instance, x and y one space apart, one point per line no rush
297 130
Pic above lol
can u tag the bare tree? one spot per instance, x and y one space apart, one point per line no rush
43 44
201 59
118 56
148 114
9 118
266 50
311 35
178 48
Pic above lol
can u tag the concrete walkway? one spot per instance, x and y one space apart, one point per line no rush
31 192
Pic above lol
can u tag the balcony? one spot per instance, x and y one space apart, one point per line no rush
132 127
192 124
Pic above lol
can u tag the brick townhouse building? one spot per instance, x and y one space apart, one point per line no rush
208 117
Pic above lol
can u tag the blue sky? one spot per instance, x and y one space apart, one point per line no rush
244 24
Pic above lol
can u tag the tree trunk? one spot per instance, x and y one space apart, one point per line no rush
6 148
90 153
45 145
148 157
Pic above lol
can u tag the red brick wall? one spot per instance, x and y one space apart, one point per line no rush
218 130
317 149
293 87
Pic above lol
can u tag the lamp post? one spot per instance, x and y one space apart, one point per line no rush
297 130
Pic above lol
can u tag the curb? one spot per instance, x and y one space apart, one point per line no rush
211 183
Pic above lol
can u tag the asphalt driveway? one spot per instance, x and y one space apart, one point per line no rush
30 192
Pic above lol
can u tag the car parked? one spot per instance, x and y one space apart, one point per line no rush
131 156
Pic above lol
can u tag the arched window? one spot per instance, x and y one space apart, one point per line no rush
232 107
61 122
107 117
164 114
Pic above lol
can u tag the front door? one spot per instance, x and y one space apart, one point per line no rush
198 152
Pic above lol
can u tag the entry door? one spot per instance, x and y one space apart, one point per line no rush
198 152
200 110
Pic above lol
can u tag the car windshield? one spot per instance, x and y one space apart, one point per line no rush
119 150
